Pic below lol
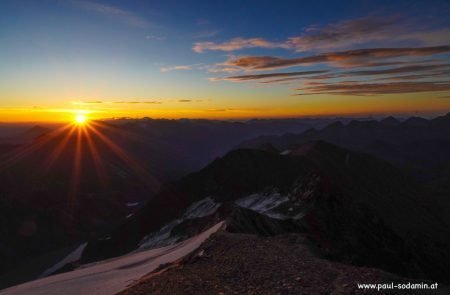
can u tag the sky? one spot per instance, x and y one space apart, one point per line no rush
223 59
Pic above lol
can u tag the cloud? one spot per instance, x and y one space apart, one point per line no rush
428 69
341 35
220 110
234 110
428 75
87 102
138 102
282 80
434 37
175 68
346 33
113 12
349 58
321 81
198 66
236 44
268 76
363 89
152 101
375 55
219 68
399 70
154 37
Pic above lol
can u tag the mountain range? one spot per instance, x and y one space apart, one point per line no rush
61 185
353 207
417 145
359 193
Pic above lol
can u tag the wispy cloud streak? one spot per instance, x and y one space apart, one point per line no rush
175 68
349 58
267 76
340 35
116 13
363 89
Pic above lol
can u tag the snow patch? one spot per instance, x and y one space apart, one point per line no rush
264 203
285 153
72 257
202 208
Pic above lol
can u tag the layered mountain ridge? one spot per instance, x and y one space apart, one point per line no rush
60 186
357 209
327 187
416 145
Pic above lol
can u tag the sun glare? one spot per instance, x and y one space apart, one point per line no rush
80 119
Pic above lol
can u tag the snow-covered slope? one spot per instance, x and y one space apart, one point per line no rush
164 236
72 257
111 276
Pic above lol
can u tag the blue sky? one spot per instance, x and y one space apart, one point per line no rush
224 58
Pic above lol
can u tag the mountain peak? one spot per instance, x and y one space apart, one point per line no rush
391 121
445 118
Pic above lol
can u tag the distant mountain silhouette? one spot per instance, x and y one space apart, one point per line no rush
23 137
35 132
390 121
417 145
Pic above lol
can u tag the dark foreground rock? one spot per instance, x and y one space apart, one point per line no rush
246 264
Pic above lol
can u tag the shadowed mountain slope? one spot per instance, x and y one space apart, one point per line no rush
62 186
354 207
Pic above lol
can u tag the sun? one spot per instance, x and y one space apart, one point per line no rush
81 119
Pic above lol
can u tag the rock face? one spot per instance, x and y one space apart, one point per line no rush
238 174
353 207
248 264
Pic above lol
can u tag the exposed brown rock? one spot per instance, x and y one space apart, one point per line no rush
246 264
